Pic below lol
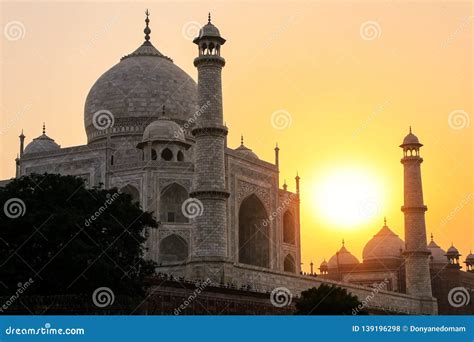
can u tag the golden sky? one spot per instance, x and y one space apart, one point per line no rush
351 76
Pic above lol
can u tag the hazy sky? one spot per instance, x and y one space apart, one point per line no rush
350 77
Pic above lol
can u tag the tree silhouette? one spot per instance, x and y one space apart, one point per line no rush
70 239
327 300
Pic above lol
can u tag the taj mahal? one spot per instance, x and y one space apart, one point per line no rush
159 136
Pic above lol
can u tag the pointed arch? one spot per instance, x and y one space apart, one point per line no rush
254 242
171 200
288 228
289 264
132 191
173 248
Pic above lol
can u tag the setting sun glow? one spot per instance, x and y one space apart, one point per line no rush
347 198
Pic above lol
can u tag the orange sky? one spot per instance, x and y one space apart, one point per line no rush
350 99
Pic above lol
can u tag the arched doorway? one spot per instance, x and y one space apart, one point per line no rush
254 242
289 264
288 228
132 191
171 200
173 248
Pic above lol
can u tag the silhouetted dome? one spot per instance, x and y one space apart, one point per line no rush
164 130
41 144
452 251
136 88
324 264
470 258
384 245
343 257
209 30
437 253
246 152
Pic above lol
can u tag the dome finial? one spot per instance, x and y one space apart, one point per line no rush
385 220
410 129
209 18
44 128
242 140
431 237
147 29
163 110
343 242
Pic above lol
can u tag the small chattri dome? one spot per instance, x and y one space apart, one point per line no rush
209 31
470 258
163 129
452 251
438 255
384 245
245 151
411 140
342 258
43 143
324 264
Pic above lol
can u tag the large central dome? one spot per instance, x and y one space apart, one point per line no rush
126 98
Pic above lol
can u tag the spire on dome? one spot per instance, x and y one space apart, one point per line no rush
147 29
410 129
343 242
242 140
431 237
44 128
209 18
385 220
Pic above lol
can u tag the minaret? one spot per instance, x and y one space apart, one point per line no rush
209 245
418 281
22 143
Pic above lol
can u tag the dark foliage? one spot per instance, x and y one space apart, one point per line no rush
328 300
71 240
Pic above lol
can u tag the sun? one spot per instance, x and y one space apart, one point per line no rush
348 197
